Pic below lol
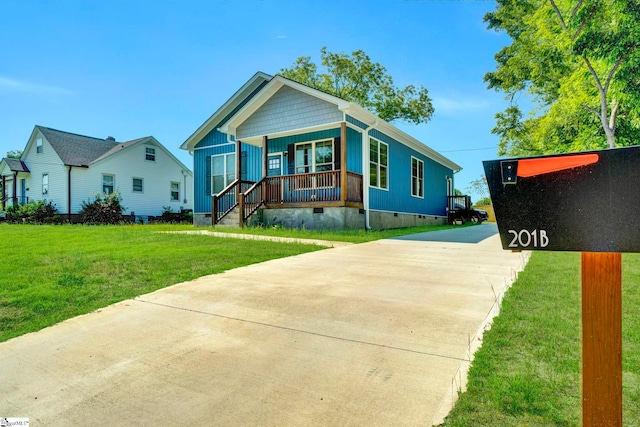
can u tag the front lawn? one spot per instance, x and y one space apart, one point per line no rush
528 372
52 273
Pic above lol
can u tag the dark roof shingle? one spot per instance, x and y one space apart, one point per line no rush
76 150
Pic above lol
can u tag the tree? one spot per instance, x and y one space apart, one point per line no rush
480 187
356 78
14 154
579 62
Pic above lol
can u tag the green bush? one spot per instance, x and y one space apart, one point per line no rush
105 209
36 212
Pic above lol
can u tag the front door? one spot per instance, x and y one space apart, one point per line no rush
274 164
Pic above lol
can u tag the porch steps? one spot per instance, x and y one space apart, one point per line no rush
232 219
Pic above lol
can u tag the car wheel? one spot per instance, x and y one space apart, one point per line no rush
476 219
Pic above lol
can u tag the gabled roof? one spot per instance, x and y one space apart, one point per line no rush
15 165
348 108
76 150
227 108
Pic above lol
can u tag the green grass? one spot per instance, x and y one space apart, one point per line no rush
528 372
52 273
353 236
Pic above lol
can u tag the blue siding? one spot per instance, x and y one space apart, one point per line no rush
253 162
398 197
356 122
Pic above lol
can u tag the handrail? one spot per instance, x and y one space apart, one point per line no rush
223 202
251 200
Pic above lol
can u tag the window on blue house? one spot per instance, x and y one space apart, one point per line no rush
378 164
223 171
417 177
314 156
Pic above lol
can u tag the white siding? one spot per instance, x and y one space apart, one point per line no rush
286 110
128 164
46 162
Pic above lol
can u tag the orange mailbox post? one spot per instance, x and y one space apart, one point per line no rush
582 202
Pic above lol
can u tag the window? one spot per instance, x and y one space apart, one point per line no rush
137 185
150 154
223 171
39 145
108 182
314 156
417 177
175 191
378 164
45 183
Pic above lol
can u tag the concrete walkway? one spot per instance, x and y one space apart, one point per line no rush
376 334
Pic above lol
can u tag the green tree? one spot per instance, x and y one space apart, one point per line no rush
14 154
579 62
480 187
356 78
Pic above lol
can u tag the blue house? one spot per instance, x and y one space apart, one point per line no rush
280 152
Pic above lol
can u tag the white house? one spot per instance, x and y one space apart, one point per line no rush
68 169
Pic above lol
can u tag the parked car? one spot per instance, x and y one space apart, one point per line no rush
459 211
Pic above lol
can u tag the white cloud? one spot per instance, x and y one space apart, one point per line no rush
31 88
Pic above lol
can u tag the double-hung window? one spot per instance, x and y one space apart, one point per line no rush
39 145
137 185
108 182
150 154
417 177
223 171
45 183
175 191
378 164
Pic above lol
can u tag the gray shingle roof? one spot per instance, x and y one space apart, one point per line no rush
16 165
77 150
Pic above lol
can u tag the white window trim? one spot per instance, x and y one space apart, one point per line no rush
418 196
224 155
149 154
39 146
133 190
45 191
171 191
377 162
113 183
313 151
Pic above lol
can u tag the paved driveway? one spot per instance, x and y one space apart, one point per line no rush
370 334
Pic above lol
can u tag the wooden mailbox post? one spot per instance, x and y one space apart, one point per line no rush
584 202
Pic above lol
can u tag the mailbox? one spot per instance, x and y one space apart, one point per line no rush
588 201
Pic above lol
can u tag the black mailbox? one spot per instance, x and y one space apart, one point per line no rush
588 201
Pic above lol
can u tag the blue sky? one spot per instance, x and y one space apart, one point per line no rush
135 68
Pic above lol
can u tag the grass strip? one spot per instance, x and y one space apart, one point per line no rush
528 372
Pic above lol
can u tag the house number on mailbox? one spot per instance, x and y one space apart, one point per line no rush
526 238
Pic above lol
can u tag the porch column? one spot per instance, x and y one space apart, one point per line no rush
265 164
15 189
343 162
4 191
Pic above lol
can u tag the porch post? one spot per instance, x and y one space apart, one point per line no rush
343 162
239 178
265 164
4 191
15 189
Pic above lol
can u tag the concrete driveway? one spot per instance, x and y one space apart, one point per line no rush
376 334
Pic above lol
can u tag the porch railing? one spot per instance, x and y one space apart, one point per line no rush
312 187
225 201
251 200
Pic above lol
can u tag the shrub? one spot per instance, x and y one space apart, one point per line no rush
169 217
105 209
35 212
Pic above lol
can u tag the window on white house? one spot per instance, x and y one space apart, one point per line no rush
39 145
108 182
175 191
378 164
417 177
150 154
137 185
45 183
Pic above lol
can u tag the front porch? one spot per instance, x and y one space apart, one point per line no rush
330 189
